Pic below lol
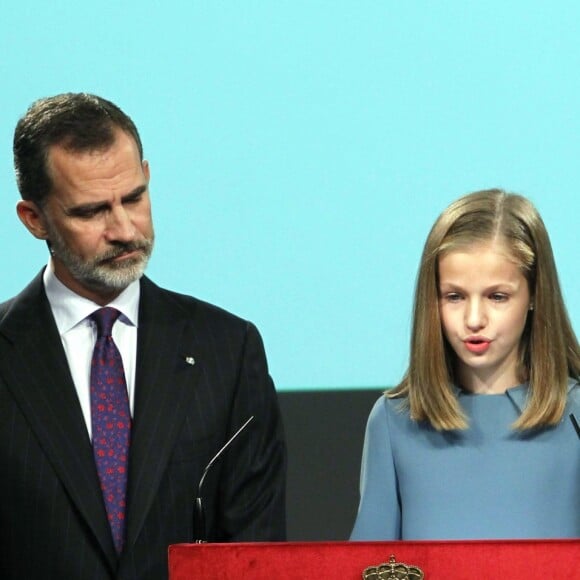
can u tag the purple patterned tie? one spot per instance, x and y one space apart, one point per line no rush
111 421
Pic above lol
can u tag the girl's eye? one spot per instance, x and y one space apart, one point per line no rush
498 297
453 297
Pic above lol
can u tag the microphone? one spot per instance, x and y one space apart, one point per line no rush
575 423
199 516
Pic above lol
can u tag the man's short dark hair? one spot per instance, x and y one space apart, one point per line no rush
76 121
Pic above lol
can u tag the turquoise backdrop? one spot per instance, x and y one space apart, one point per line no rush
300 150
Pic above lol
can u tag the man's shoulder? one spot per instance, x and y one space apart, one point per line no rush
31 295
190 306
5 306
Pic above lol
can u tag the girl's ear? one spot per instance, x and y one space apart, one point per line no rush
33 219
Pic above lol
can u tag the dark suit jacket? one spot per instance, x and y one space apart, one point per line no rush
52 517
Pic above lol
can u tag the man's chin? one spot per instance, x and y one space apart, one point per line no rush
108 275
117 275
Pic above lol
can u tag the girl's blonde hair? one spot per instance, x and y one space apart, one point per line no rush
549 350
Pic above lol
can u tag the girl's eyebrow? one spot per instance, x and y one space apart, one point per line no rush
491 288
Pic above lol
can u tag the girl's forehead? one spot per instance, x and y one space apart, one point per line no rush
496 245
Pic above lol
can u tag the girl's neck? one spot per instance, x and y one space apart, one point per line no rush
484 384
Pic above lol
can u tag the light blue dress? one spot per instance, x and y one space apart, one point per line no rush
486 482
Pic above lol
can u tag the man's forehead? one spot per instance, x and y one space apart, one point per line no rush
123 150
88 176
75 147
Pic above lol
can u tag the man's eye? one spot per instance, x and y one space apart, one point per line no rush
133 200
88 214
85 213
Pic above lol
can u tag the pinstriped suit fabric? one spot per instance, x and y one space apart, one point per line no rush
53 523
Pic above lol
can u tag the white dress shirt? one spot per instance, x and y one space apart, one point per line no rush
79 333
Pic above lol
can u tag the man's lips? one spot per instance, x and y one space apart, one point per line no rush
124 254
477 345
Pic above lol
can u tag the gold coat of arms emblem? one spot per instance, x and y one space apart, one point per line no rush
393 571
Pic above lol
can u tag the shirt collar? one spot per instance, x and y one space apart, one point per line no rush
518 395
69 309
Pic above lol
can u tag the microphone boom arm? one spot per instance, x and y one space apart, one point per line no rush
198 502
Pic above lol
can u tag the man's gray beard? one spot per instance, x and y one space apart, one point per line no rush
101 272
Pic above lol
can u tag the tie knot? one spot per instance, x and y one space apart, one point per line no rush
104 319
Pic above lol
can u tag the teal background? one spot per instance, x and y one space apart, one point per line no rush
300 151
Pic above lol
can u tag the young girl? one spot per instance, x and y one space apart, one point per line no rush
481 437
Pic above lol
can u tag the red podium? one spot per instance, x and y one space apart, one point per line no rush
469 560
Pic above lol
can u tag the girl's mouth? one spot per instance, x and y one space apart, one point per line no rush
477 345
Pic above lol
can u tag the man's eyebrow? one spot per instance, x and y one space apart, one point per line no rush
136 193
85 209
88 208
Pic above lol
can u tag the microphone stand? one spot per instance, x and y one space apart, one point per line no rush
199 515
575 423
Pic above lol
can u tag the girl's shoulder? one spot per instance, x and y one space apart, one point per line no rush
392 402
389 410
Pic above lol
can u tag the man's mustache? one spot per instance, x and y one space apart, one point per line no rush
123 248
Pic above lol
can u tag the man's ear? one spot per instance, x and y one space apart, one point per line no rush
31 216
145 166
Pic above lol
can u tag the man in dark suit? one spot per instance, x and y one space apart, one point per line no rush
189 374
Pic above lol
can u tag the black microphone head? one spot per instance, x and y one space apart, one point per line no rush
199 530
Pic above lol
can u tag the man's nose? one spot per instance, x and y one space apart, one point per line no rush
120 226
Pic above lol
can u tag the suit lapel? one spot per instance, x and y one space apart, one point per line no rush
37 373
164 384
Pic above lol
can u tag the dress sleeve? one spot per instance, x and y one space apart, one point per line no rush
379 513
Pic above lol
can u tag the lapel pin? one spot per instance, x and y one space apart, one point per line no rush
190 360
